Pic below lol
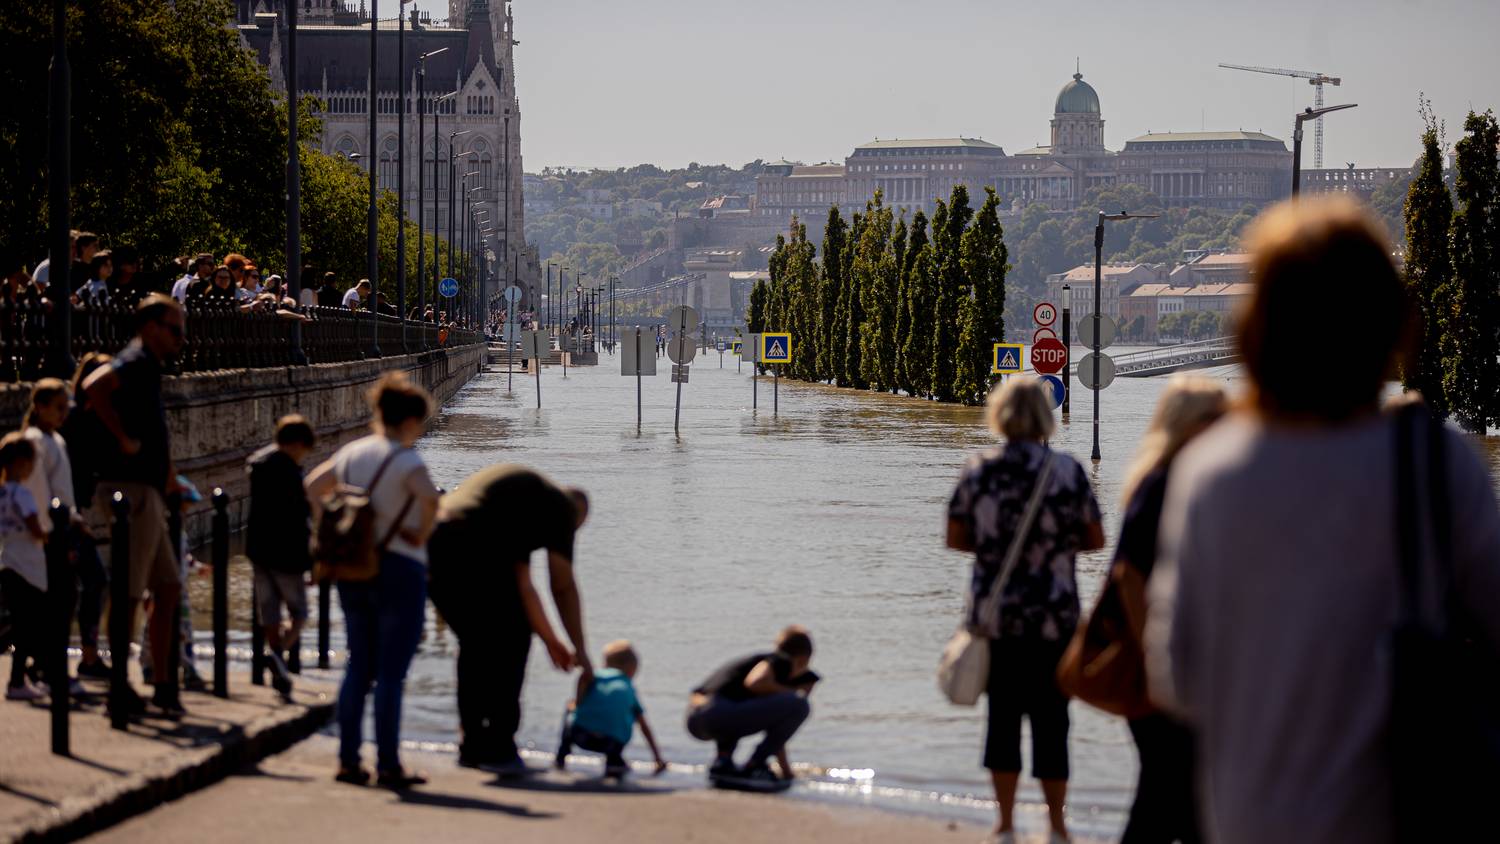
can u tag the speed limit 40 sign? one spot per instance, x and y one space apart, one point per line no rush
1044 314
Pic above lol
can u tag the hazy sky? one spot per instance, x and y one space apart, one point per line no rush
619 82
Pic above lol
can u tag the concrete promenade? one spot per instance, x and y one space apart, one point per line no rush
115 774
292 797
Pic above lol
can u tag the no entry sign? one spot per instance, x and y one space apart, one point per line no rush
1049 356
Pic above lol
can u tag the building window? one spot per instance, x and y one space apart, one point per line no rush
387 172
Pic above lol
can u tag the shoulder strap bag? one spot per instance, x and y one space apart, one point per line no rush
964 670
344 543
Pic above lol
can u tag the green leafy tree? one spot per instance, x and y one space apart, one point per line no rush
982 311
951 290
921 303
801 279
1469 380
1428 213
755 312
830 284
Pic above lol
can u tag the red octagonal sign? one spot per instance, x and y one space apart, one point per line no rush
1049 356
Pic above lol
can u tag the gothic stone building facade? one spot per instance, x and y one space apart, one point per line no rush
1210 169
480 123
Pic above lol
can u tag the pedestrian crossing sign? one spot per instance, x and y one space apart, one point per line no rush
735 346
1008 358
776 347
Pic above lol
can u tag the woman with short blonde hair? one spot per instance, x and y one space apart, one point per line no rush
1038 608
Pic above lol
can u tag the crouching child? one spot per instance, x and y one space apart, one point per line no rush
604 716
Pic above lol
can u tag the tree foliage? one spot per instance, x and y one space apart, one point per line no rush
1428 213
1469 365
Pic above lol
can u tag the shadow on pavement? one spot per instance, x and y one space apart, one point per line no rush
454 801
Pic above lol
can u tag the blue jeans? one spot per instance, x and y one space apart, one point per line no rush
383 620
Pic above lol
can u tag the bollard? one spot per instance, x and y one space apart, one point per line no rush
168 683
61 593
221 593
121 603
325 624
257 638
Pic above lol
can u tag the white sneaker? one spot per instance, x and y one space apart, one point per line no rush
25 691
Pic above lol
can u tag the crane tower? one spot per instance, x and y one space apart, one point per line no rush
1315 79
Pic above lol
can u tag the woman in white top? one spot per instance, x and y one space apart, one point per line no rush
384 616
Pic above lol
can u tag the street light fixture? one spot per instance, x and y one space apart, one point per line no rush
437 111
1098 315
1302 117
422 187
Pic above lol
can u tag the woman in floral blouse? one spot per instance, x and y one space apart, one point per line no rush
1038 607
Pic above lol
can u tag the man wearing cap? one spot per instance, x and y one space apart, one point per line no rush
481 583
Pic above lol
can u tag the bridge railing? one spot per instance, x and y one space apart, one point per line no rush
1196 350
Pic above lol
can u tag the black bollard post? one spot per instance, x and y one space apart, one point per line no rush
120 605
221 593
60 591
325 624
257 639
168 682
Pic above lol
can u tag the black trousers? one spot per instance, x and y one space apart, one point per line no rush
491 671
1023 681
1165 808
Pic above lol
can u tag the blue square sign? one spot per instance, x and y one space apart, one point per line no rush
1008 358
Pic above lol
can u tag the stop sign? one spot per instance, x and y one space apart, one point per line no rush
1049 356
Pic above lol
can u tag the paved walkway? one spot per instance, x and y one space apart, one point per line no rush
114 774
292 797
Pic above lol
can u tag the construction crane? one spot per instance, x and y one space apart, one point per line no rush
1315 79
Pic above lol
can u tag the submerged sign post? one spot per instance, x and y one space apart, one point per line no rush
681 350
638 357
512 296
751 347
776 347
534 344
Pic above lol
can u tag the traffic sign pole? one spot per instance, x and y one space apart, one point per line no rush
776 391
1067 341
638 353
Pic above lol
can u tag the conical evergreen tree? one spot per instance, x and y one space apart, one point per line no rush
755 312
853 316
982 311
829 285
913 254
875 271
1428 213
1469 378
951 290
802 292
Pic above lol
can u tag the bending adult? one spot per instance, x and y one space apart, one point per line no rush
1278 584
1038 607
481 583
384 616
136 460
1165 808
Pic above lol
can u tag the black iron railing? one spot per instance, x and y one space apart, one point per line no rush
220 335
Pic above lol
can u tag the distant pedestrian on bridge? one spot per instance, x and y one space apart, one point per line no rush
481 583
1037 611
1320 563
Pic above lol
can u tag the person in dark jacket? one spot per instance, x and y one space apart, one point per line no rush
280 527
329 294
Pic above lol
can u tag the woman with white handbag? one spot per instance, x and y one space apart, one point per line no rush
1025 511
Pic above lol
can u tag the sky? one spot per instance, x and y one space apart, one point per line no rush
608 83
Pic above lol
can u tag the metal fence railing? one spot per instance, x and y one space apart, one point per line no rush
219 335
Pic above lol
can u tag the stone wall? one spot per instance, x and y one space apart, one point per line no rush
217 419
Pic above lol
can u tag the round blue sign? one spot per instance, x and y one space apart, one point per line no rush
448 287
1055 384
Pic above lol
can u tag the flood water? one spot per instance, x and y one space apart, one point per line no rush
829 513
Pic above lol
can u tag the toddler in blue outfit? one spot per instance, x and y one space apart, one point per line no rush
603 718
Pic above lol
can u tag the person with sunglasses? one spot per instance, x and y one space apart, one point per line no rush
136 460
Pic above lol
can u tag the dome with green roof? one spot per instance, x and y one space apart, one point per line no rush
1077 97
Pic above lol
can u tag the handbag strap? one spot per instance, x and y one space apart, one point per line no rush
991 604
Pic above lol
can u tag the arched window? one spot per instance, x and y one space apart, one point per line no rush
437 153
346 146
484 164
387 171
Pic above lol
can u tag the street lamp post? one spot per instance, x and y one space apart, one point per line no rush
1067 340
422 189
437 111
451 176
60 262
293 189
400 174
372 256
547 294
1098 316
1302 117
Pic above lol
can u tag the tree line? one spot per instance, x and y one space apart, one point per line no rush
1452 275
178 144
892 306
